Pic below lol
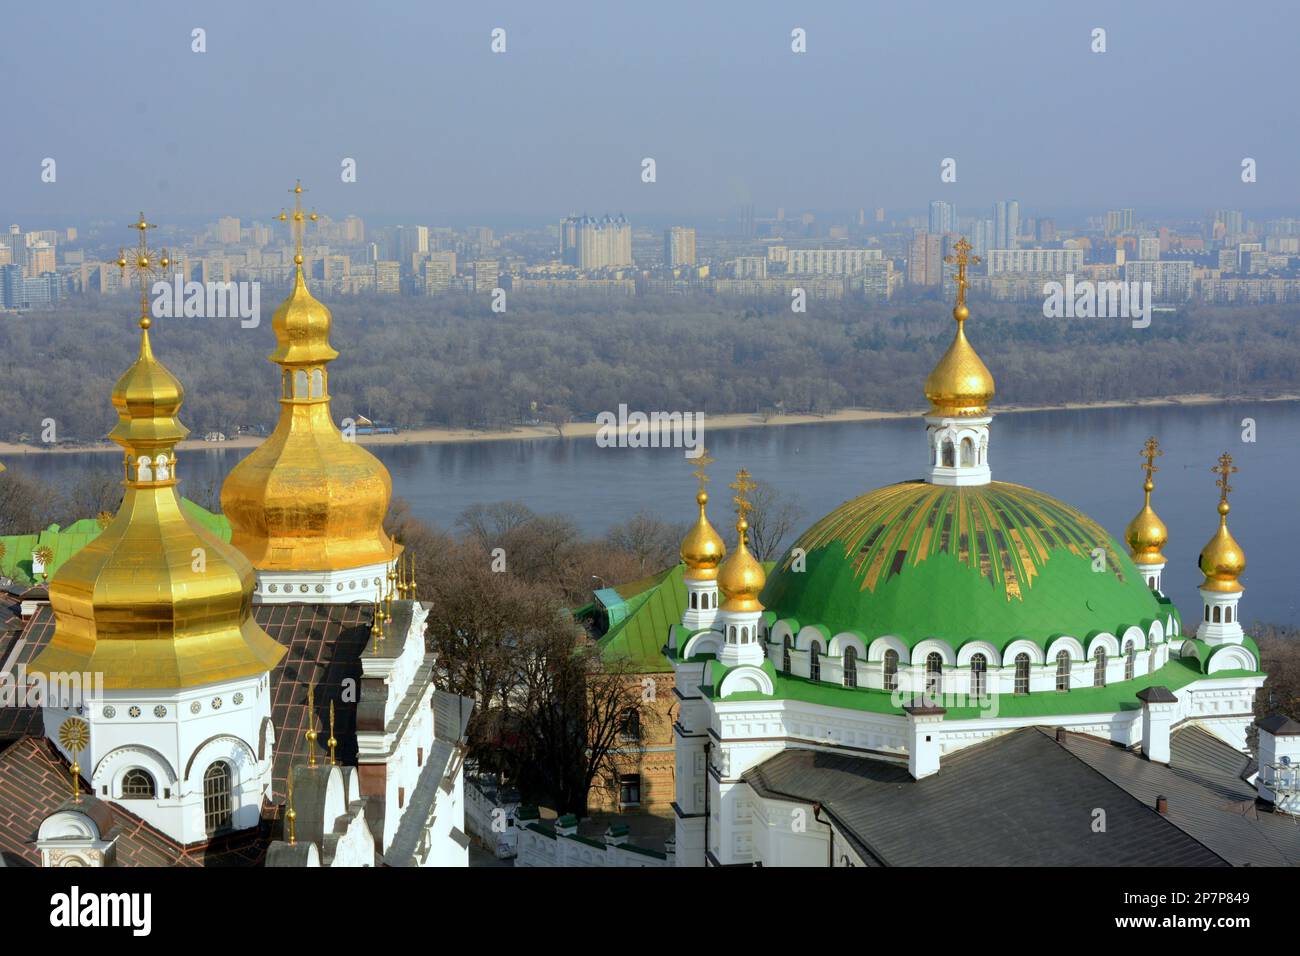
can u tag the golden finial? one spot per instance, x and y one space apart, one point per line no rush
377 626
146 267
311 725
74 735
961 260
410 584
1224 469
743 485
960 386
1146 534
104 519
702 462
1151 451
1222 560
332 742
299 219
291 815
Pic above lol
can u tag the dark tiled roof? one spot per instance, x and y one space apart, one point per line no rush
1280 725
1159 694
1019 799
34 784
1209 798
325 644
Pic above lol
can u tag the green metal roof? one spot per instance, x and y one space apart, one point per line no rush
639 637
65 542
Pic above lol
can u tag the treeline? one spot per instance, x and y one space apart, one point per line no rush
452 362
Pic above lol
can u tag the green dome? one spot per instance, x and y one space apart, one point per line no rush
993 562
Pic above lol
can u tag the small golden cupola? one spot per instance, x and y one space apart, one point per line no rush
960 386
1222 560
702 549
1146 534
155 601
306 499
741 577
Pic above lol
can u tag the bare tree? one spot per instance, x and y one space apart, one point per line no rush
772 518
489 524
653 541
25 505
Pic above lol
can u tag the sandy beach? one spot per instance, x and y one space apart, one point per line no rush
434 436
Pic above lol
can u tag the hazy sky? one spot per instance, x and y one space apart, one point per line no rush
444 130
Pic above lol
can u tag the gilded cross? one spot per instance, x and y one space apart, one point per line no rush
743 485
299 220
960 260
1224 469
1151 451
702 462
145 267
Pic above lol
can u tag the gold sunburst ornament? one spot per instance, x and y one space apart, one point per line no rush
74 737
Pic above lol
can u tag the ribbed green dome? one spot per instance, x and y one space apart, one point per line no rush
991 562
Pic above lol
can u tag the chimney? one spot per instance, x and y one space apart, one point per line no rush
923 739
1158 707
1060 735
1162 805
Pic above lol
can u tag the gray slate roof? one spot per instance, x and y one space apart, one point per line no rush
1020 799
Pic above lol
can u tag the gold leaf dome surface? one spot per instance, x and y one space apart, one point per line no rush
306 499
156 600
1222 559
741 576
703 548
1146 534
960 385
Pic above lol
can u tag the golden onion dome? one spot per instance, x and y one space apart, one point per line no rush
1222 560
306 499
1146 534
703 548
741 576
156 600
961 384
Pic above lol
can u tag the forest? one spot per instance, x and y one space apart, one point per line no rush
451 361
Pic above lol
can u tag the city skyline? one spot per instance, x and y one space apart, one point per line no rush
730 114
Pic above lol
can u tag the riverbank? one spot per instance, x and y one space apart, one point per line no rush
437 436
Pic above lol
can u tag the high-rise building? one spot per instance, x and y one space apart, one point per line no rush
412 240
40 258
228 230
1030 261
943 217
1149 248
982 236
830 261
925 260
388 277
487 273
598 243
1231 219
439 269
1046 230
1119 221
679 246
1006 224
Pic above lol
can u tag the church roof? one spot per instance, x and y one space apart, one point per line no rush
995 562
324 645
1018 799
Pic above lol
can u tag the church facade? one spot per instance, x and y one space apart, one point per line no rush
267 701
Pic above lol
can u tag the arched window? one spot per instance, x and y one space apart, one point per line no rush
300 384
1216 614
631 729
1130 656
979 677
785 654
287 383
933 674
815 661
850 666
1022 673
217 798
967 452
890 670
137 784
949 453
695 602
317 383
1063 670
1227 615
744 635
1099 667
